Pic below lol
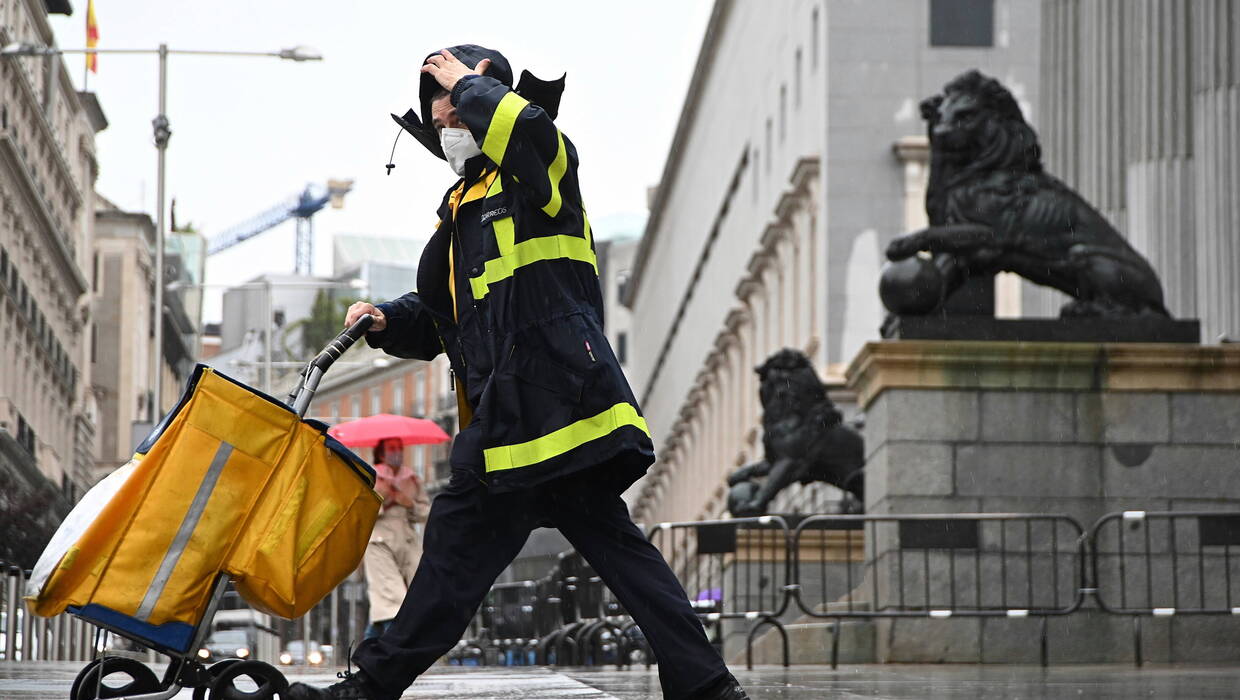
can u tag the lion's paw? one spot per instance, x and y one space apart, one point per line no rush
902 248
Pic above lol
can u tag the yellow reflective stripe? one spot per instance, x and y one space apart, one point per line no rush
497 186
532 251
505 235
560 441
495 143
554 174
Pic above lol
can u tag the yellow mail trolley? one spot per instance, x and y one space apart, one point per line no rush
232 484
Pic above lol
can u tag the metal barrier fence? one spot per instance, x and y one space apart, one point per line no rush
1015 565
566 618
928 566
1165 564
732 570
26 637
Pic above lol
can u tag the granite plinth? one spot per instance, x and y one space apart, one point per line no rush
1050 330
1074 428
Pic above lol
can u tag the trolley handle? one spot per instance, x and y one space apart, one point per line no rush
299 398
343 342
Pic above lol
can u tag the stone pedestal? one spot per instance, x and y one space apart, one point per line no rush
1081 429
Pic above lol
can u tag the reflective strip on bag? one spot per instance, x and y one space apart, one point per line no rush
184 532
567 438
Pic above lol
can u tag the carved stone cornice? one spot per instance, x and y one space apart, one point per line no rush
912 149
771 237
736 318
715 358
806 169
759 261
746 288
789 202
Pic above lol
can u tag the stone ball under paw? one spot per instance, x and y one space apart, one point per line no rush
911 286
739 497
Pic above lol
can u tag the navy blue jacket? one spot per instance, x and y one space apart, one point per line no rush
527 342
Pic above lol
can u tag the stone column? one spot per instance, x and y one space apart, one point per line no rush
1216 145
1159 175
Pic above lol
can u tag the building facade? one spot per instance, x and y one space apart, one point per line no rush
615 262
121 359
767 228
47 175
123 283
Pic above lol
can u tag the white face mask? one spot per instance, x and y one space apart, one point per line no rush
458 147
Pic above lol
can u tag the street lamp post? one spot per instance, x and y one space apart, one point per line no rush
162 134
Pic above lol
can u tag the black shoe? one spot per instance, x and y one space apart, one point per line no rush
351 688
728 688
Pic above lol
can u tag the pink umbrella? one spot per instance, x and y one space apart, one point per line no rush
368 431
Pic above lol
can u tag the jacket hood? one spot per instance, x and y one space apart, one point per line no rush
545 94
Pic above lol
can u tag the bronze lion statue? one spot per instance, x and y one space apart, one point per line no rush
803 436
992 208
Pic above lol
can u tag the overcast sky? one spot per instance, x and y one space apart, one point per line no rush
250 132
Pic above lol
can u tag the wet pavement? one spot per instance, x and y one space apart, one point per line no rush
39 681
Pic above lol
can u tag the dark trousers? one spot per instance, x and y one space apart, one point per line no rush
472 535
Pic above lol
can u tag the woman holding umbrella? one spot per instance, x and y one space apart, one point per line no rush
394 549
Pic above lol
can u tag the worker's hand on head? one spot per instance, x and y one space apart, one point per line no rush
444 68
361 308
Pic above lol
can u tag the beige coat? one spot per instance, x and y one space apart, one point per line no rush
395 546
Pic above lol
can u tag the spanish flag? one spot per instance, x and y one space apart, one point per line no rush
92 37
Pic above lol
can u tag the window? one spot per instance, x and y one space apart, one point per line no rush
419 394
768 145
962 22
357 408
783 112
813 41
622 347
335 412
376 393
796 85
398 397
419 462
756 158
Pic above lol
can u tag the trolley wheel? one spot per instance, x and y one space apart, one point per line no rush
77 682
98 675
215 669
264 682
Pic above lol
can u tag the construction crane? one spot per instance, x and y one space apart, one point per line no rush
302 207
